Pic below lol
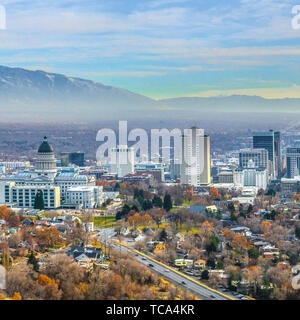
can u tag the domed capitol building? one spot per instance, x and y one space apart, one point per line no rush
61 187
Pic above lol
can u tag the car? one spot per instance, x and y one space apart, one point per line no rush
225 290
212 296
235 293
167 270
183 282
136 254
151 265
244 298
144 259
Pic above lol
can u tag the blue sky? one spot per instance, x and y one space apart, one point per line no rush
160 48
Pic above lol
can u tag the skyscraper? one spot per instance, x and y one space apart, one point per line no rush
195 167
292 162
277 142
270 141
122 161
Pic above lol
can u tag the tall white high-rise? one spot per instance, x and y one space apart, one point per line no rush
122 160
196 162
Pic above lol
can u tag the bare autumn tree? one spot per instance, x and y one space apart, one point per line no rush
69 274
19 280
158 215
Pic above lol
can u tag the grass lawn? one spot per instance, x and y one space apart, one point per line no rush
105 222
187 203
185 230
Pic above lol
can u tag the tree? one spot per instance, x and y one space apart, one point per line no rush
253 253
49 288
39 200
135 220
4 212
157 215
17 296
147 205
250 209
157 202
6 258
117 187
49 237
163 236
205 275
240 242
214 194
13 220
63 268
231 207
167 203
212 245
124 212
147 220
254 276
211 263
34 261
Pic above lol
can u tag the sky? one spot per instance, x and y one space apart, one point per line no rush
160 48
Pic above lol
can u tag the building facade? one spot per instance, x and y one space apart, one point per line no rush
292 162
196 161
251 177
270 141
122 161
52 181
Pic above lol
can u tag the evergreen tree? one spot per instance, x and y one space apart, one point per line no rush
39 200
117 187
163 235
147 205
34 261
167 203
253 253
205 275
157 202
231 207
250 209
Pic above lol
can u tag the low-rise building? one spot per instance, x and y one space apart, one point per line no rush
84 196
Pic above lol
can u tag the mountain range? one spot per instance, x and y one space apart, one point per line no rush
33 96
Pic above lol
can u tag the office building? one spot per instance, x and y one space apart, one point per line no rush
251 176
258 156
122 161
45 176
292 162
271 142
196 163
290 186
68 158
24 196
85 196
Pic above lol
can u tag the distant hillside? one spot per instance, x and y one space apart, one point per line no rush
234 103
33 96
39 95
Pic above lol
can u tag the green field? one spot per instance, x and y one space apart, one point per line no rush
105 221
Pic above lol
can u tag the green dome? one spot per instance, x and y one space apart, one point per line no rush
45 147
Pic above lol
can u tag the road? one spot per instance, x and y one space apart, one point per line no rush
175 276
